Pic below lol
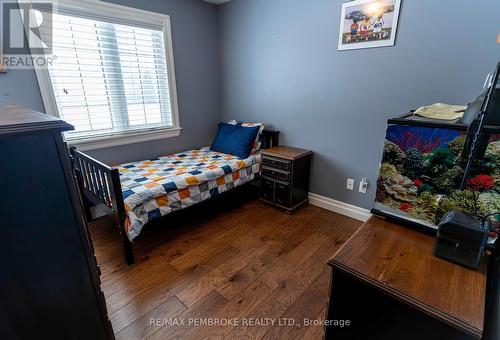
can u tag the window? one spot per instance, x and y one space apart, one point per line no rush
112 79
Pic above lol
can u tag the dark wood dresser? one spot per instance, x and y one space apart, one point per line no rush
389 285
285 177
49 286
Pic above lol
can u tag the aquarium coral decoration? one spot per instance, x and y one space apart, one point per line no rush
422 139
491 200
424 207
425 188
393 154
449 179
463 200
413 164
401 188
457 145
439 161
387 170
442 156
492 159
480 183
405 206
380 194
421 175
493 149
418 182
413 140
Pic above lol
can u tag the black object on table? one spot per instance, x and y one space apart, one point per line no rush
461 238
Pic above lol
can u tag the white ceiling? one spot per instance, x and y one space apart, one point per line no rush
217 2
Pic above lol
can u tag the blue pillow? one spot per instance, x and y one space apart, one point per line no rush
235 140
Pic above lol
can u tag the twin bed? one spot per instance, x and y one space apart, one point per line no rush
138 192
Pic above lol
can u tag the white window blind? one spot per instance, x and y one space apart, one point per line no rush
109 78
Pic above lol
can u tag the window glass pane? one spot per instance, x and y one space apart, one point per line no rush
109 78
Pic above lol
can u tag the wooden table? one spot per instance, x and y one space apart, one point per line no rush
387 281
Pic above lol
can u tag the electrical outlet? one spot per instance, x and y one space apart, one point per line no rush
363 185
350 184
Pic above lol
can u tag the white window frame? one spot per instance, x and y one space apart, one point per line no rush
139 16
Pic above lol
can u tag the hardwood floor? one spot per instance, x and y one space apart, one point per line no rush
244 263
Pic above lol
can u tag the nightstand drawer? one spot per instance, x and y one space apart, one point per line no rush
275 173
277 163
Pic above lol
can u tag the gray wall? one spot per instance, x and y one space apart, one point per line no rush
194 30
276 61
280 65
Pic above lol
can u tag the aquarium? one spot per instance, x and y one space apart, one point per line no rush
421 175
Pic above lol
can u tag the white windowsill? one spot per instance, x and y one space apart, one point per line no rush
124 139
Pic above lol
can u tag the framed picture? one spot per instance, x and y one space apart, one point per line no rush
368 23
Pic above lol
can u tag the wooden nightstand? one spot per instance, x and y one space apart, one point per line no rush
285 177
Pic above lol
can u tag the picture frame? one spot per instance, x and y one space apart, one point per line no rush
368 24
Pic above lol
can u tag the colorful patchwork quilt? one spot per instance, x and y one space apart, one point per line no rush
156 187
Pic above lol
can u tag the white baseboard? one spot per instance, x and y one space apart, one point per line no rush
327 203
342 208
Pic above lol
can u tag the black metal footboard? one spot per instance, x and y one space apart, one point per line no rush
100 184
